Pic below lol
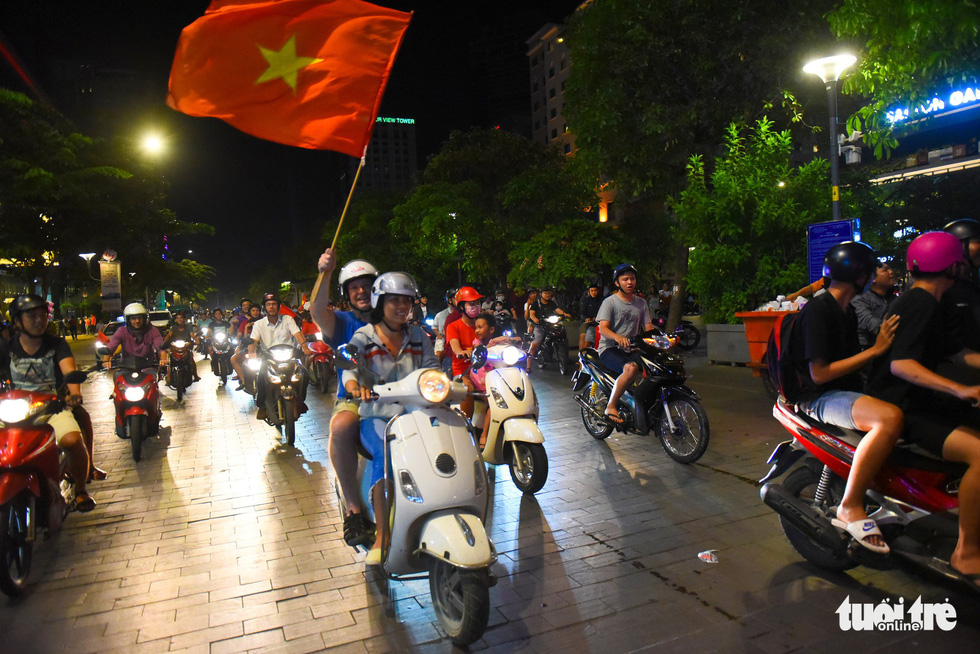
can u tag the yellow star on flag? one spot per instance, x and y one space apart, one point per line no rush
284 64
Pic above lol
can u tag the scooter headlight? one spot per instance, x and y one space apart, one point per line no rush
660 341
512 355
554 320
220 337
434 386
234 341
134 394
409 489
253 364
319 336
12 411
204 331
284 354
498 399
180 343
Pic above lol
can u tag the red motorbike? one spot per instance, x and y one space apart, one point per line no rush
913 499
137 401
320 363
36 494
181 367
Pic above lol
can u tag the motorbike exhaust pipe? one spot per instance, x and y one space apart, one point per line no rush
802 516
591 409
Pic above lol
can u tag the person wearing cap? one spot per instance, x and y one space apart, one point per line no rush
34 360
621 316
274 329
940 413
392 349
829 366
355 282
589 308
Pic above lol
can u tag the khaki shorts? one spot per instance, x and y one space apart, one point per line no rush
343 404
63 423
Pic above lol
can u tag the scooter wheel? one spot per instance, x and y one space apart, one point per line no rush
530 476
461 601
802 484
15 552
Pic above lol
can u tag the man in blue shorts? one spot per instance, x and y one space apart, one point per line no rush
620 318
355 282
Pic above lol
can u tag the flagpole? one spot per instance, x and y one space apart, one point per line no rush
319 278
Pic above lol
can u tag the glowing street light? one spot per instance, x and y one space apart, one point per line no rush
88 264
152 144
829 69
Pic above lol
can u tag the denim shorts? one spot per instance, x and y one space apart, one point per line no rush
833 407
616 359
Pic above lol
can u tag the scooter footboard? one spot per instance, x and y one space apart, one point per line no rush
458 538
525 430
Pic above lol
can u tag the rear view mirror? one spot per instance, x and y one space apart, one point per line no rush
348 357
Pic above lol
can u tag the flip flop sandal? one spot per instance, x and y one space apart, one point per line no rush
614 418
97 474
82 503
859 530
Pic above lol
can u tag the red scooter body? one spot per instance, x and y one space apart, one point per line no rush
911 499
137 402
320 363
34 492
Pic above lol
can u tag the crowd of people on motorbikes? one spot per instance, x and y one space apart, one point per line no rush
870 358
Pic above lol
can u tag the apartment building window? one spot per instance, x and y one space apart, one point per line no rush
554 133
551 72
554 113
568 148
551 93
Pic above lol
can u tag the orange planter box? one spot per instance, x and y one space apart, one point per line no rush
758 326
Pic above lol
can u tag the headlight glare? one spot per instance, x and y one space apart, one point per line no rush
14 410
134 394
434 386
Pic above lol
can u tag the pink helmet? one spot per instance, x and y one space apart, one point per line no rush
934 252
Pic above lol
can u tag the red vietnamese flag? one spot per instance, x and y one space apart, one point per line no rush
309 73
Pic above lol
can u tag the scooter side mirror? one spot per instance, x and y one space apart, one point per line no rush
479 358
76 377
348 357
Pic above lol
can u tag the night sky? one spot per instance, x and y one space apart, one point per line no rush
261 197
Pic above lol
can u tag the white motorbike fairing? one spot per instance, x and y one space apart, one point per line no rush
457 538
524 430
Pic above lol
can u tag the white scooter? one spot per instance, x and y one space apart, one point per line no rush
511 406
437 499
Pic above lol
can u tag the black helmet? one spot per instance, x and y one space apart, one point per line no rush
270 297
849 262
963 229
23 303
622 269
451 296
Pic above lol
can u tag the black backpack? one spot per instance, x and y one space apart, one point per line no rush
782 355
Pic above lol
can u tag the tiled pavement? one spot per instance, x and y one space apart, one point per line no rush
222 541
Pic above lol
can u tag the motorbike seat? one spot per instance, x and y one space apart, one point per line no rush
590 357
905 454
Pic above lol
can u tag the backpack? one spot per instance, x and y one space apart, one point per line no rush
782 355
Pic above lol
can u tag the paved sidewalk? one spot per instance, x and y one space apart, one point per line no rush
221 540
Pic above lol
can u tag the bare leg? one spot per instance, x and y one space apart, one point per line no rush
380 514
237 363
629 371
78 462
884 423
963 445
345 431
466 405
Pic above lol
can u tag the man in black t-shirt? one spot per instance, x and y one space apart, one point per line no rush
542 309
829 367
960 305
34 360
938 414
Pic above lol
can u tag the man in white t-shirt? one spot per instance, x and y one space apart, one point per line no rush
274 329
621 316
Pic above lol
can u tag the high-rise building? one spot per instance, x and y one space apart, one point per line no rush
550 66
391 162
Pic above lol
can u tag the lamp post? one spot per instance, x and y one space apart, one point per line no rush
829 70
88 264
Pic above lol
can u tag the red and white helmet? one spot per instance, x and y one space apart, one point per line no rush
353 270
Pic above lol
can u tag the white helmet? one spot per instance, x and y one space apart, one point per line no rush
353 270
134 309
394 283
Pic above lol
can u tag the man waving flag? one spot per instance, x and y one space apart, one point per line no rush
308 73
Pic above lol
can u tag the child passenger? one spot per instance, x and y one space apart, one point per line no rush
485 326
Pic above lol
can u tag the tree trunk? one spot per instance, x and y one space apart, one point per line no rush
679 290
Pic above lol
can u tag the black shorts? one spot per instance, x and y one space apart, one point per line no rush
930 427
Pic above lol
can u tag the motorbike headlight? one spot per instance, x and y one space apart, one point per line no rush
434 386
297 377
284 354
253 364
409 489
220 337
554 320
180 343
498 398
275 379
234 341
134 394
512 355
204 331
319 336
14 410
660 341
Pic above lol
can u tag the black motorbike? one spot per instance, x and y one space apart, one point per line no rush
223 346
204 341
554 347
286 378
658 399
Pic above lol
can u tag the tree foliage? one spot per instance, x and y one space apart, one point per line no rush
654 82
62 193
565 255
910 50
748 224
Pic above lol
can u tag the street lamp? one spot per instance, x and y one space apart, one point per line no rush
829 70
152 144
88 264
